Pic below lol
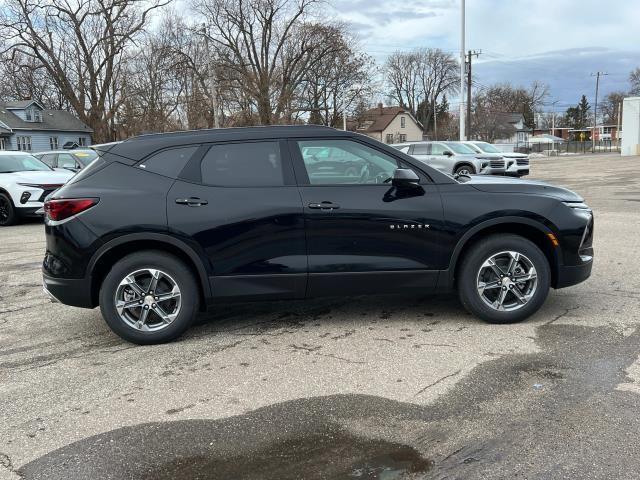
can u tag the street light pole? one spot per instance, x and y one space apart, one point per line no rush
463 135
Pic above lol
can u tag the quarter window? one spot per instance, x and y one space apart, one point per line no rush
334 162
169 162
254 164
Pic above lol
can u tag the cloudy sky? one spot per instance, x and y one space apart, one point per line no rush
559 42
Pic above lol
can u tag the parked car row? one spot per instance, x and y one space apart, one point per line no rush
467 158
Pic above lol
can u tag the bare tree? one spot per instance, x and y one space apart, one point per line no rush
418 79
266 47
80 44
337 84
634 80
491 108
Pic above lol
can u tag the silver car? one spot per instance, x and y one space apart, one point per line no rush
517 164
454 158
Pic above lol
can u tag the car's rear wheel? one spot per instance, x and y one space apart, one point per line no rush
149 297
7 211
464 170
504 279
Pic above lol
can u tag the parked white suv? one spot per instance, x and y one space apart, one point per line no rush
454 158
25 181
517 164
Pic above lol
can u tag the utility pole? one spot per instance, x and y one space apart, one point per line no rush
475 53
435 120
463 136
212 79
595 110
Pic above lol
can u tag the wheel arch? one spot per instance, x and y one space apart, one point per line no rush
116 249
530 229
465 163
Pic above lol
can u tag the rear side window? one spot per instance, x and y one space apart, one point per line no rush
253 164
438 149
422 149
169 162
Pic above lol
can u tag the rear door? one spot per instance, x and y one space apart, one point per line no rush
363 234
239 202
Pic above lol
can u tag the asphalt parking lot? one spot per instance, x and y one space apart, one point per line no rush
348 388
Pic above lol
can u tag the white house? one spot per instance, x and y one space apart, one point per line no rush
390 125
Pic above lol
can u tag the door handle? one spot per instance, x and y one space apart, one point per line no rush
191 201
324 206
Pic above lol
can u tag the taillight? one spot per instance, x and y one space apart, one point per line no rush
63 208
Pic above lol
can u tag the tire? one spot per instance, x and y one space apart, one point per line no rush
8 215
476 273
179 309
464 170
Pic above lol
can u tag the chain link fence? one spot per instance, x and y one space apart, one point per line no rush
602 146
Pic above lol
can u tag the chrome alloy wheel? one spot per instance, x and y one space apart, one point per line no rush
507 281
148 300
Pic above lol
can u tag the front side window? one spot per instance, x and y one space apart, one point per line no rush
438 149
345 162
24 143
249 164
66 160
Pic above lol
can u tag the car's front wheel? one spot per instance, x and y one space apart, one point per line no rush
149 297
464 170
7 211
504 279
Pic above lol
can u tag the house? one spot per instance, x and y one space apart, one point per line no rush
27 125
513 128
390 125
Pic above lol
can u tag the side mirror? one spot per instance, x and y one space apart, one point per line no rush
447 153
404 177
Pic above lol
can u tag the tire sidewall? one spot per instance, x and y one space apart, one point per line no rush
156 260
479 254
12 211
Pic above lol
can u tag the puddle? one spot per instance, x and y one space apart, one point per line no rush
327 457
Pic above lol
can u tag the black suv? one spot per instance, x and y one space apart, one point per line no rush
160 227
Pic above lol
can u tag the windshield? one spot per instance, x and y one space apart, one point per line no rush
21 163
459 148
487 147
85 157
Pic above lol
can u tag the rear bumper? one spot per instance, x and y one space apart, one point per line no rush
572 275
70 291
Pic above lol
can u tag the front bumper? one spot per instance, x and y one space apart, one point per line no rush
572 275
70 291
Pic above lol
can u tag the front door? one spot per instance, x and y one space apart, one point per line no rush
363 234
240 203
